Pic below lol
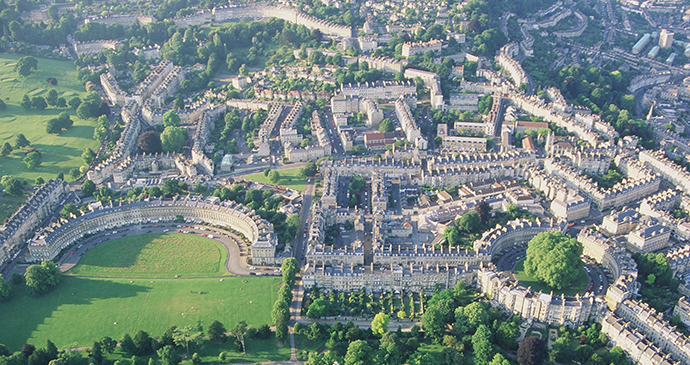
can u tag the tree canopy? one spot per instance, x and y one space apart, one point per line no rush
41 278
173 139
554 258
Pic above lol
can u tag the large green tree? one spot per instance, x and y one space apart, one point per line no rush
41 278
554 258
379 325
25 65
173 139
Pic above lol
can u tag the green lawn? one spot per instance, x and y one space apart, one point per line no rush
154 255
81 310
257 351
579 285
60 152
289 178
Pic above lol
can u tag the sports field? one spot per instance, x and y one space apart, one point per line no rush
154 255
289 178
579 285
60 152
81 310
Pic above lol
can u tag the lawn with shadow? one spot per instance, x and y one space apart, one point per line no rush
80 310
154 255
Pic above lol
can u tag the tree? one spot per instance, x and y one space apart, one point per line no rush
357 184
320 307
149 142
196 359
289 269
74 102
168 356
12 185
281 316
26 102
88 187
183 336
108 344
531 351
310 169
243 70
173 139
554 258
85 110
88 155
127 344
239 331
39 102
451 236
96 354
358 353
499 360
216 332
32 160
171 119
68 210
6 149
41 278
433 324
483 209
470 222
143 344
379 325
386 126
179 102
52 97
39 181
25 65
481 346
53 126
61 102
65 120
20 141
274 176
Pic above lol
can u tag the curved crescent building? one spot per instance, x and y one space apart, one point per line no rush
258 231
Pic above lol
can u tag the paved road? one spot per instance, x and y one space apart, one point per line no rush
299 243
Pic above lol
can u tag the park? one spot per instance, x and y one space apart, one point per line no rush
59 152
127 285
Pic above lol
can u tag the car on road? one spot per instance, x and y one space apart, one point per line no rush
71 253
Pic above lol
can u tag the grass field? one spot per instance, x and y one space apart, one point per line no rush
289 178
579 285
81 310
154 255
60 152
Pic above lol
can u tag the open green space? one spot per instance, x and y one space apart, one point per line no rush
154 255
257 351
80 310
60 152
290 178
578 286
